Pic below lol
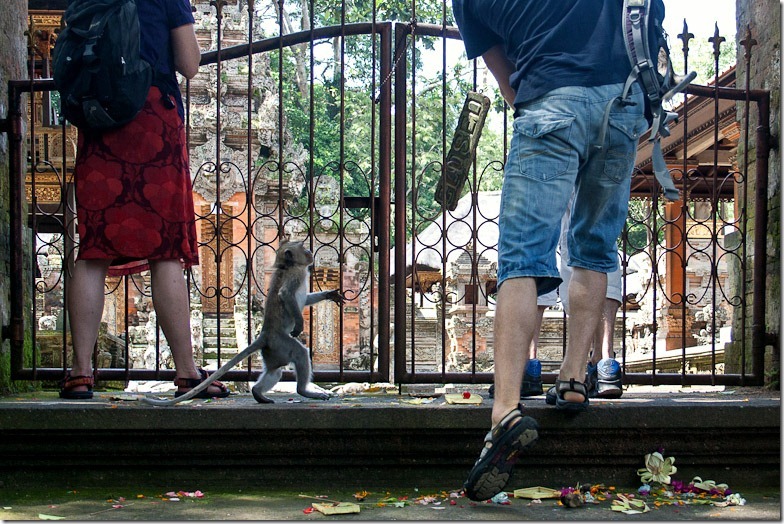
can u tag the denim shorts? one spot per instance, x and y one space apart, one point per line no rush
554 153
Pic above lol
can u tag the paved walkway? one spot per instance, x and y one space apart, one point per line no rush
138 503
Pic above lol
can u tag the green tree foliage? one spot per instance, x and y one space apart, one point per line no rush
335 118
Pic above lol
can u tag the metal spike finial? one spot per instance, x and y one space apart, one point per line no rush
748 42
717 40
685 36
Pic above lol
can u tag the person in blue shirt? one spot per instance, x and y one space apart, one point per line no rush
560 64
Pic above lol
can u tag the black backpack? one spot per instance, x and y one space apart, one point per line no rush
102 79
649 56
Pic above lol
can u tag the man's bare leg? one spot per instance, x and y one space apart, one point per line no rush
514 324
604 373
534 347
514 329
584 287
603 339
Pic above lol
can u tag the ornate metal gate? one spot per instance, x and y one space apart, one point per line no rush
287 141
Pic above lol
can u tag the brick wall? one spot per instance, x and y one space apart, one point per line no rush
13 24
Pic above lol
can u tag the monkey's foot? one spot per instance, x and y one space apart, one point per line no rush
261 399
313 391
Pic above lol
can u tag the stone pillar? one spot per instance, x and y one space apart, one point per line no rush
13 24
764 72
672 324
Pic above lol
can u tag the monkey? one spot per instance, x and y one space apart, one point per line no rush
288 294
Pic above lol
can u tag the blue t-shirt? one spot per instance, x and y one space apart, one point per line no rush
156 20
552 43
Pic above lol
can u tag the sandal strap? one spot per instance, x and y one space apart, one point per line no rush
187 382
563 386
505 422
193 382
70 382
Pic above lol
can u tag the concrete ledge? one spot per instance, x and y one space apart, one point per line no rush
378 441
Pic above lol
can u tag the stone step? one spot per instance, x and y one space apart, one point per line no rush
225 353
213 323
212 331
379 441
225 342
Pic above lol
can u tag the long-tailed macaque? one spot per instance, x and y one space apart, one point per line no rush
288 294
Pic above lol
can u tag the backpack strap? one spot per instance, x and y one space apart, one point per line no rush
92 108
636 22
636 28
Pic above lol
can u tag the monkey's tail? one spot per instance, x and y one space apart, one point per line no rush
256 345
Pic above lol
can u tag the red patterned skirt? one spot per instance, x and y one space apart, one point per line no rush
133 192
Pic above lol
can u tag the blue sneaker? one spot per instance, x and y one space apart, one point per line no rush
609 379
591 378
532 380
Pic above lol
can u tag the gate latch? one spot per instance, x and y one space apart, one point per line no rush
365 202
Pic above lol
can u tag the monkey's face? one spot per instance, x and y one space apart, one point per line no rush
294 254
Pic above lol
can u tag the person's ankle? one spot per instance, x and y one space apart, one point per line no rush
77 371
189 372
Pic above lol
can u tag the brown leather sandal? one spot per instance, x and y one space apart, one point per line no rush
69 383
191 383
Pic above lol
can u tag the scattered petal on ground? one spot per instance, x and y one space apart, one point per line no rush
501 498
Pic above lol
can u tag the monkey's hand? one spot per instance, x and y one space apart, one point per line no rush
335 296
299 326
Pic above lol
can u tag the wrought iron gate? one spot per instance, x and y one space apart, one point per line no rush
691 267
420 279
254 184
